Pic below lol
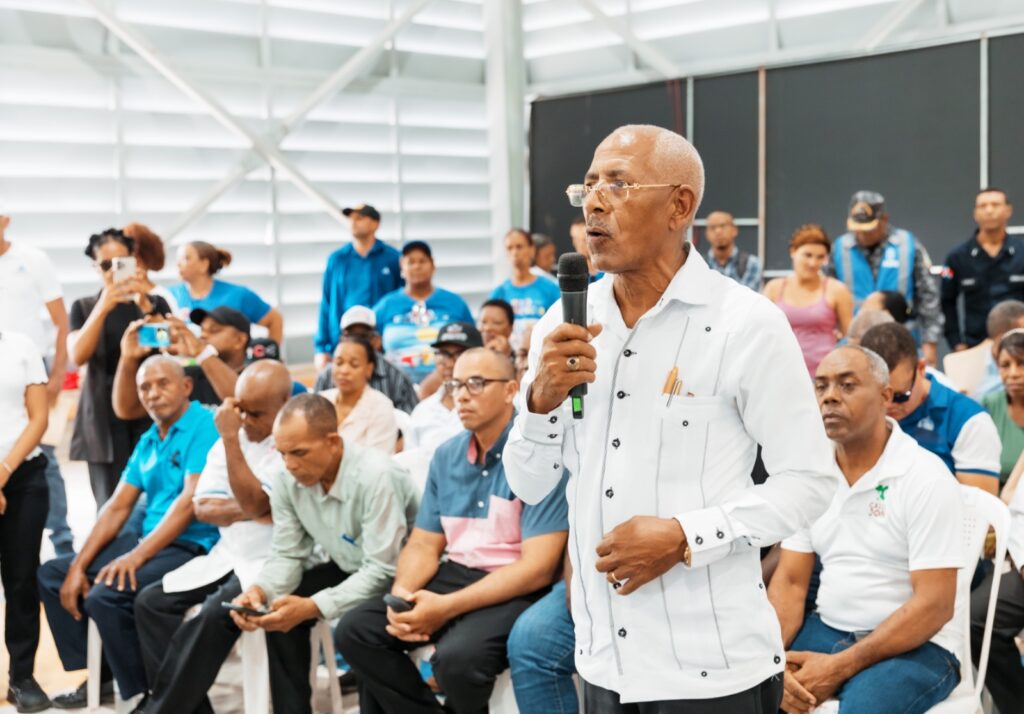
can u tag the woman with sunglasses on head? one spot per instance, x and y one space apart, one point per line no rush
97 324
1006 406
365 415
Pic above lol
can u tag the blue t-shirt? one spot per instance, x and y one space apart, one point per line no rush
351 279
471 503
158 467
529 302
408 327
237 297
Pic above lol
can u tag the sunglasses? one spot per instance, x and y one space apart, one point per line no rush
904 397
105 265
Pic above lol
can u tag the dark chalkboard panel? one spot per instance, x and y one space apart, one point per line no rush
565 131
904 124
725 134
1006 118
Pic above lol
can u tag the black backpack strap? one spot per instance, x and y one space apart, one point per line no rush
742 259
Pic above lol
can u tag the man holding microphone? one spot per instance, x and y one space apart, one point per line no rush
687 373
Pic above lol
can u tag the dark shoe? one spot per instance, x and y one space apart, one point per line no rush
27 696
349 682
79 699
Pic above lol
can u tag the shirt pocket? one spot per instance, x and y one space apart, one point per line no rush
689 427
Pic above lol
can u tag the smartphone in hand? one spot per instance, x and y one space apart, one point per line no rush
155 335
398 604
246 610
125 268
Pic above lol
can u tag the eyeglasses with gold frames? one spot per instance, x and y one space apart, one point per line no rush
609 191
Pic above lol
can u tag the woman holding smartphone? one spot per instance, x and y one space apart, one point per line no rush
97 324
24 502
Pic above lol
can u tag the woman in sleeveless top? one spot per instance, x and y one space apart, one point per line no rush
819 308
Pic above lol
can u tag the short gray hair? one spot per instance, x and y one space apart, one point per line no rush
876 365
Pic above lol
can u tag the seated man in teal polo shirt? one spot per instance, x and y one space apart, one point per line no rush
101 582
503 555
951 425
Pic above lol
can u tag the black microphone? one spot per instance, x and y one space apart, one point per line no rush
573 278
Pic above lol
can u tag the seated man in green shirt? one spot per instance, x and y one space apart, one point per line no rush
357 505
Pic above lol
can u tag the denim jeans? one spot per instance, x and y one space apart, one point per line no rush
57 516
914 681
540 654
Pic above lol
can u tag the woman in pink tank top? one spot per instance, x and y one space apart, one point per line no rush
819 308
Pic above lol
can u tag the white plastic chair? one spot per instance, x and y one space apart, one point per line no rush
981 510
255 679
503 698
404 422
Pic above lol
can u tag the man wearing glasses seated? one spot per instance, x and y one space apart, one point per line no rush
503 555
950 425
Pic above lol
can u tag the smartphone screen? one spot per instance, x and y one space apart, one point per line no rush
155 335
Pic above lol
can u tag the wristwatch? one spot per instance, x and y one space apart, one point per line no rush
208 352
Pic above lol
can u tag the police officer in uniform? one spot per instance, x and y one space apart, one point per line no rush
986 269
875 255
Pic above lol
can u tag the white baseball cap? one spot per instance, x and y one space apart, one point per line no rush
358 315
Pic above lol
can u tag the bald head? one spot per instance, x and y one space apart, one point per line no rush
316 412
864 322
264 379
670 158
162 363
496 364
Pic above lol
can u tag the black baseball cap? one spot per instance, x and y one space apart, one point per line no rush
222 315
462 334
417 245
363 209
865 208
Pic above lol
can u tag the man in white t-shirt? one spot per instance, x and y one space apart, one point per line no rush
435 419
883 637
30 295
182 658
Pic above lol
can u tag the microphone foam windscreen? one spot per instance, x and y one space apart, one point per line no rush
573 275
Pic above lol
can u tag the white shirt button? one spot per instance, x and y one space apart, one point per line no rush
479 504
484 472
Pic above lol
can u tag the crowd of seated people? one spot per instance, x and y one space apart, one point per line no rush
218 479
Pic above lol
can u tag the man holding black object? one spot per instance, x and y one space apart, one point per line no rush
687 372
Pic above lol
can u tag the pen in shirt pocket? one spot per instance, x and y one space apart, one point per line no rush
349 539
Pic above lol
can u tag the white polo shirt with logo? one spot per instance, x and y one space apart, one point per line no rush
903 515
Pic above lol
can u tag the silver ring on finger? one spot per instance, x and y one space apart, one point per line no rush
572 364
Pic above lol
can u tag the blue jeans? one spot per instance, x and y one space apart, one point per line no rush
540 654
914 681
57 516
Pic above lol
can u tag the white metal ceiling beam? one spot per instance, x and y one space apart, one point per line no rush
269 150
648 53
889 23
352 69
215 108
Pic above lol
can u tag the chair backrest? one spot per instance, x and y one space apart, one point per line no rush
981 511
966 369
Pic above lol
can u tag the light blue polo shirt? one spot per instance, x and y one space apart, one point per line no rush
529 302
158 467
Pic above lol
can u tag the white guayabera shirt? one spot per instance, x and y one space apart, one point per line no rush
706 630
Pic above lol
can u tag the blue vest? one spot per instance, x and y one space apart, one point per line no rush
895 272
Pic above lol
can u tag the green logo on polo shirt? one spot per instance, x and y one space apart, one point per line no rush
881 492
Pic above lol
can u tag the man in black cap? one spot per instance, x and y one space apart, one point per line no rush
986 269
358 273
219 354
875 256
435 420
